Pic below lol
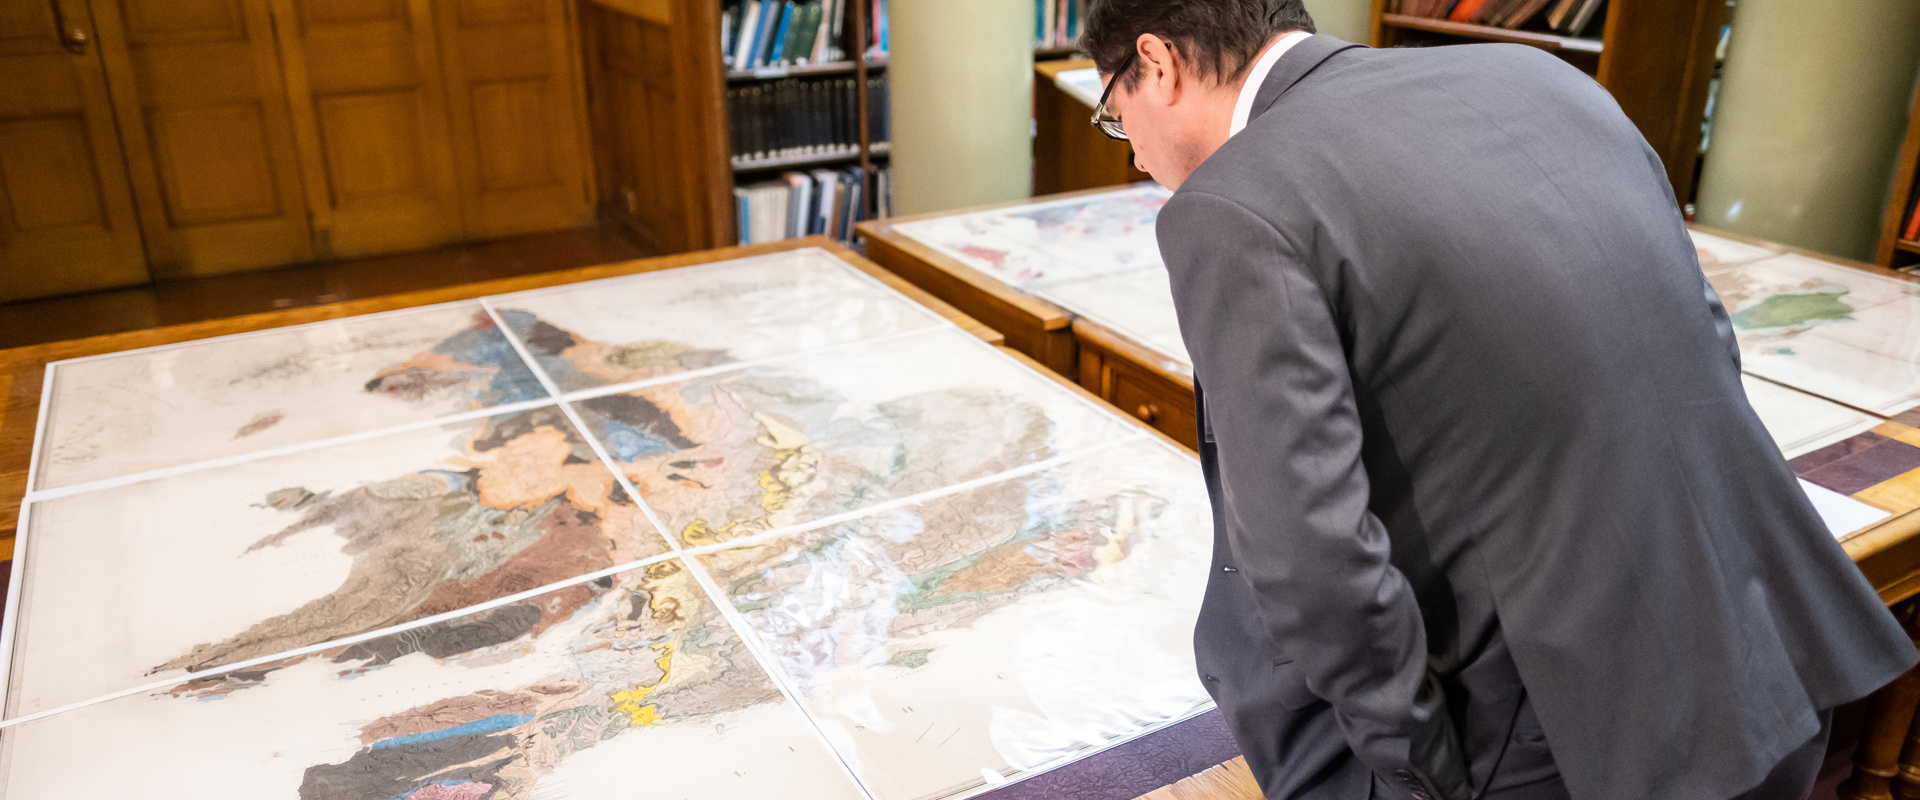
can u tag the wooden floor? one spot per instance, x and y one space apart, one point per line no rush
1229 781
121 310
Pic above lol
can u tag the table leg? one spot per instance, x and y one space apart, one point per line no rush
1889 727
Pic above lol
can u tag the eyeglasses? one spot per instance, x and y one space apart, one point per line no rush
1107 123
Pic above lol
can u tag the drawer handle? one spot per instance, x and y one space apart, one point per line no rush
1147 412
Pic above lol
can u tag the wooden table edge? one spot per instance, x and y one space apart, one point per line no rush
1114 341
1051 317
13 361
245 323
1777 249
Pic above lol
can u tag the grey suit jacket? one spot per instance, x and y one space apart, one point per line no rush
1475 434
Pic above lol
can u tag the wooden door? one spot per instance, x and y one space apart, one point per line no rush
370 119
202 106
67 220
518 122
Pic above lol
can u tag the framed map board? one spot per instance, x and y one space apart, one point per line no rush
746 524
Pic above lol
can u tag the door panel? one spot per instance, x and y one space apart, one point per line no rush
175 21
203 108
59 155
372 144
518 124
67 220
213 164
372 110
509 121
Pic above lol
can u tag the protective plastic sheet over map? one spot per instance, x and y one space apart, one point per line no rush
749 529
1094 255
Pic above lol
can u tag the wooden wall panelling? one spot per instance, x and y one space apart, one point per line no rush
518 121
67 220
202 108
370 118
656 100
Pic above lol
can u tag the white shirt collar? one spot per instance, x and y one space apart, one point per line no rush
1257 75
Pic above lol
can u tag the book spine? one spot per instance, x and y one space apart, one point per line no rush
777 46
750 16
1913 218
822 35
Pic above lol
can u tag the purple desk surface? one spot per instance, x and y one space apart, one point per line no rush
1163 757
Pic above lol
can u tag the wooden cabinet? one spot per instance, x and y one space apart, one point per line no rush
66 211
519 125
202 106
1069 154
1152 387
370 119
1895 249
256 133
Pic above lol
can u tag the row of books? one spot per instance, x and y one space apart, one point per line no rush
803 116
772 33
1570 17
1057 22
823 201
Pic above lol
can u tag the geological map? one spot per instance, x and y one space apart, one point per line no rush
680 572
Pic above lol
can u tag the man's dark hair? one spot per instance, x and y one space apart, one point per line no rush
1220 37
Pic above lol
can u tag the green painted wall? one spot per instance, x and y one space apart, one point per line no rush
1343 19
1813 102
962 82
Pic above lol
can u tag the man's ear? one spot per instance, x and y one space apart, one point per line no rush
1158 68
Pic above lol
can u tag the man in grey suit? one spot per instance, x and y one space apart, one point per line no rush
1493 516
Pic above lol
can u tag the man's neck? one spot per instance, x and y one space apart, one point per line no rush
1240 83
1247 87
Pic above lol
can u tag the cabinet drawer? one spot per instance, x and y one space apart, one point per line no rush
1152 399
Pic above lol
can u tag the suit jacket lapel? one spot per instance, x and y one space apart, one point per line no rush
1294 65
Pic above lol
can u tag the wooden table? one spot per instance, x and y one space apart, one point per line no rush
22 369
1068 153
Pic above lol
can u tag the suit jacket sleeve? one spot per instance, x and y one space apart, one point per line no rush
1279 396
1722 325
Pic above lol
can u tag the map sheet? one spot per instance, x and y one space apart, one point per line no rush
1845 334
748 529
132 412
1720 252
1799 422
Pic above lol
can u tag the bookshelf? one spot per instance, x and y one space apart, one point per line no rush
1655 56
657 89
1896 251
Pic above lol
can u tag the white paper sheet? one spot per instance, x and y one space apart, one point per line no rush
1842 514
